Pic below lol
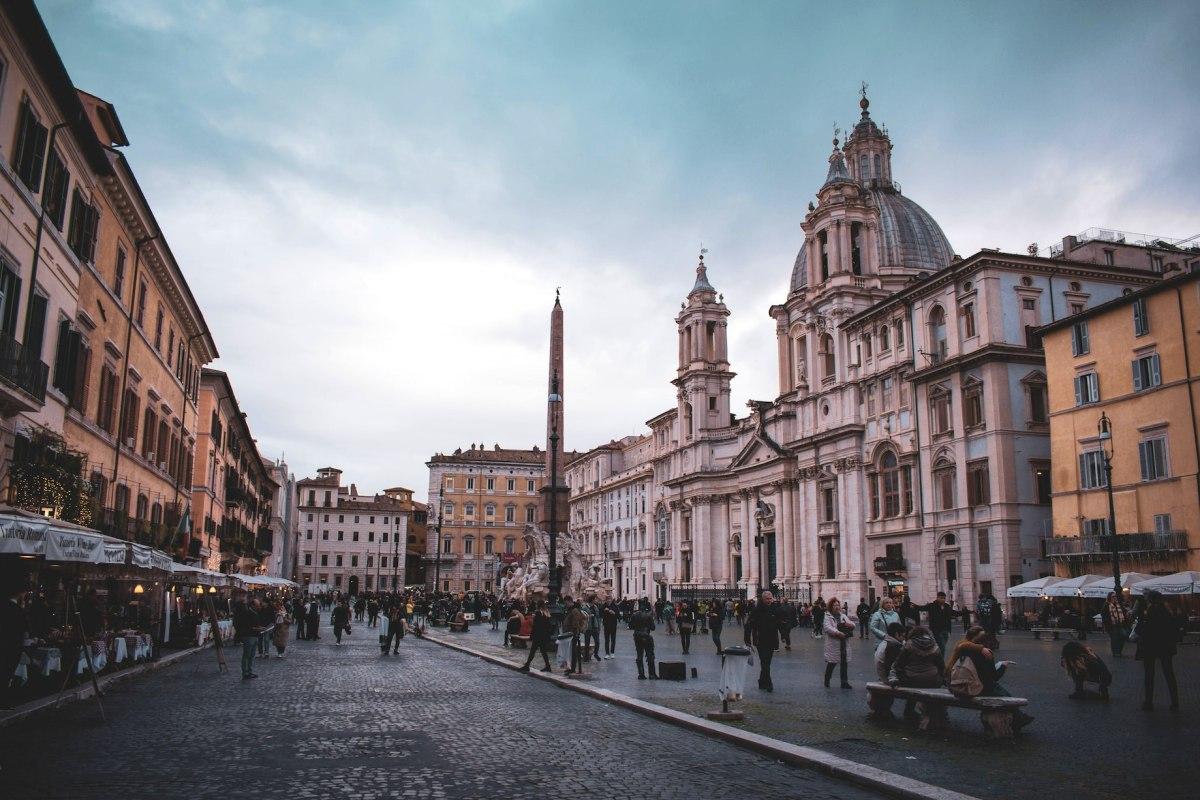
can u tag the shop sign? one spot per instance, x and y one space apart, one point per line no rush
21 538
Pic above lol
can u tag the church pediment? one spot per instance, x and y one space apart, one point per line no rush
761 448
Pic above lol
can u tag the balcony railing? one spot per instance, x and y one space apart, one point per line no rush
1099 548
22 369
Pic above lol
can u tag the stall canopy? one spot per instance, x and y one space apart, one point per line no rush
1186 582
1075 587
24 533
146 557
1034 588
205 577
1101 589
264 580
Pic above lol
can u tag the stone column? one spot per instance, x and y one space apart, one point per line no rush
722 341
846 245
700 539
784 531
676 541
834 238
749 551
786 370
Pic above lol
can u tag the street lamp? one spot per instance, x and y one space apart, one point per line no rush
555 401
1104 427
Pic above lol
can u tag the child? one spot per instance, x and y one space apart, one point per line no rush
1084 666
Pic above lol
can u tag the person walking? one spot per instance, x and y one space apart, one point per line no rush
266 625
1116 624
610 617
818 617
539 637
246 629
395 629
883 618
763 626
864 617
838 627
372 613
591 634
341 620
787 621
575 623
941 615
283 626
299 612
716 621
687 623
642 623
668 615
312 625
987 610
1158 631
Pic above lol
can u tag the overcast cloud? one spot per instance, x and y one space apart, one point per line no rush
374 202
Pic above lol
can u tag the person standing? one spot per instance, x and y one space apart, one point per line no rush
575 624
839 627
642 623
539 637
941 615
1158 631
882 618
764 629
787 621
312 626
611 616
818 617
14 624
1115 621
372 613
341 620
716 621
687 623
245 627
668 614
864 616
591 634
283 626
395 629
299 613
987 609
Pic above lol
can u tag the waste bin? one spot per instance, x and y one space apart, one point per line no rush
562 655
734 661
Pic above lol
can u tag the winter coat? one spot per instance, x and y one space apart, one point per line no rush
940 616
283 623
1158 631
880 621
833 637
885 654
764 625
576 621
919 664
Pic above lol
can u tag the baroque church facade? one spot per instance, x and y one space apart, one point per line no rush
907 450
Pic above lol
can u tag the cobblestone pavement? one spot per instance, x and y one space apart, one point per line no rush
1112 751
331 721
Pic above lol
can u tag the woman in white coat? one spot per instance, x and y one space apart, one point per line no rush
839 627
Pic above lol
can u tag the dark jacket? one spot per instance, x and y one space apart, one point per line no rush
919 664
245 621
764 622
543 627
1158 632
989 673
642 622
610 617
940 616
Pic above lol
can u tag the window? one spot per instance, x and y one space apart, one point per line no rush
468 546
341 536
512 485
489 510
529 486
828 362
106 410
491 484
158 329
447 544
939 410
870 397
1079 338
325 536
884 339
529 512
81 233
324 559
1152 453
968 320
1108 258
943 479
30 151
829 551
140 314
886 393
983 546
866 343
937 335
973 405
308 559
823 254
1041 480
889 474
510 545
339 560
1029 304
1162 523
354 536
1146 373
309 534
448 510
354 561
54 191
1091 470
978 488
1037 401
510 513
371 536
1087 388
470 484
898 326
1096 527
119 275
829 503
1141 317
856 248
469 510
1157 262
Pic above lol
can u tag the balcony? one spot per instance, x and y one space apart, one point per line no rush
263 542
1136 546
22 377
886 565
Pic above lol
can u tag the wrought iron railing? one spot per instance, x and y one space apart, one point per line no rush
1130 544
22 369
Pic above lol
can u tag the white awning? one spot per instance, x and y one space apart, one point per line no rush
1034 588
23 533
1102 589
1186 582
1074 587
147 557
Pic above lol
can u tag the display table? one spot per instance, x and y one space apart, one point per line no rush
204 631
45 659
99 659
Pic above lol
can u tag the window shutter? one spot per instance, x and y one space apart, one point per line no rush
1078 390
1137 375
1155 371
1144 459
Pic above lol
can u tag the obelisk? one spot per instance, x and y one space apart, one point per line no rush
555 513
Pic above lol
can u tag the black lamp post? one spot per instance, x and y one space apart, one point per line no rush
1104 427
554 400
437 557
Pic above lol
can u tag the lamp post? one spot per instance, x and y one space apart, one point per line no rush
554 400
1104 428
437 559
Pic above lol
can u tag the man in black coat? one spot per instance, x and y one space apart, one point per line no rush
539 637
643 640
941 614
764 626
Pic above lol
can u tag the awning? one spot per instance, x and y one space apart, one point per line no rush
1074 587
200 575
147 557
1102 589
1186 582
24 533
1034 588
263 580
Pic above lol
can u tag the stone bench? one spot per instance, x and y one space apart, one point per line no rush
996 713
518 641
1037 632
458 627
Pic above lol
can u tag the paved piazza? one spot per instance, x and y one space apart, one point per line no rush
345 722
1112 751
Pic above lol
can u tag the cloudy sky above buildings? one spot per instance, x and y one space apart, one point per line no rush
374 202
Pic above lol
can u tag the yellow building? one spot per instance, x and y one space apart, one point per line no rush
1135 360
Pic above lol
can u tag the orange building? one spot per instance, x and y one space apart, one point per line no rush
1136 360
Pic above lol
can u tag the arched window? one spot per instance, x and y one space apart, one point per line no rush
828 362
863 167
937 335
468 545
856 248
489 545
889 475
469 509
878 171
143 507
885 340
943 482
823 252
662 529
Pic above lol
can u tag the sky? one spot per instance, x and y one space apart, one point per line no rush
374 202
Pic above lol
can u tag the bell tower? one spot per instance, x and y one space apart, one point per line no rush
868 149
703 377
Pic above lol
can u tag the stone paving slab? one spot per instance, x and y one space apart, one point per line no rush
1104 750
331 721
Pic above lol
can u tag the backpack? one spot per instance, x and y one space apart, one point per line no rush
964 679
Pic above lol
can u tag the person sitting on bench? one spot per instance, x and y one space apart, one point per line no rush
918 665
460 621
979 646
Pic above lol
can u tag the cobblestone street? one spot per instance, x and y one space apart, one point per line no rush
1104 750
331 721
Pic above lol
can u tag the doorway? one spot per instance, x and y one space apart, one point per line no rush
353 585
